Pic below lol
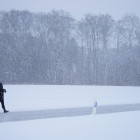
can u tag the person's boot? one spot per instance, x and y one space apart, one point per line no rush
6 111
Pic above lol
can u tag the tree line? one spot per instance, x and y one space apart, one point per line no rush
54 48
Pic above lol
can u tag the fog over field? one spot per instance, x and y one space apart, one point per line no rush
78 8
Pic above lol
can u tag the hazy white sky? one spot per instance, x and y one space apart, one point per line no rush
77 8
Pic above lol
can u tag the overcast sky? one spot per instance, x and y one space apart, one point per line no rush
77 8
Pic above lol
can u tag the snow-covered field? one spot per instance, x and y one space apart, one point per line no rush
116 126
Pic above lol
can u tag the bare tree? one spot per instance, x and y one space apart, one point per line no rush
106 30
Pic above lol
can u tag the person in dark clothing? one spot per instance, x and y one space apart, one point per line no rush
2 90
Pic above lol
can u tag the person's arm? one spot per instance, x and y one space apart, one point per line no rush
4 90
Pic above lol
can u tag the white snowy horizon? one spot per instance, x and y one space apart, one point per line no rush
122 126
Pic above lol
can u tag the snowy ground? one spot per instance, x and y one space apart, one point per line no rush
124 126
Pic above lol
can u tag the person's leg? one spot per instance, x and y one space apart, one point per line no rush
2 103
3 106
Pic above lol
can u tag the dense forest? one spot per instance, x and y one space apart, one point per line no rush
55 48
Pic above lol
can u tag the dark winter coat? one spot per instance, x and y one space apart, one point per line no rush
1 92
